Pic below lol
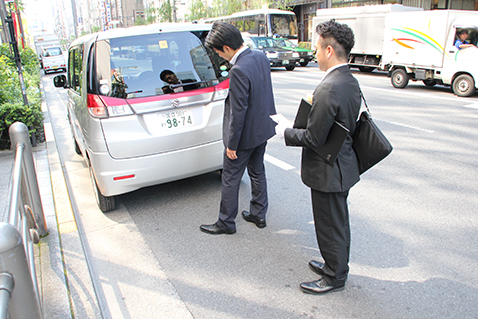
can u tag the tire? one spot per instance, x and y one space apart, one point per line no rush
77 147
429 83
105 203
367 69
464 85
290 67
400 78
304 63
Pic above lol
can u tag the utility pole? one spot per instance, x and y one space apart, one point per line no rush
7 22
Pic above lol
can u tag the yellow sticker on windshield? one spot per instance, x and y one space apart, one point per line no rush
163 44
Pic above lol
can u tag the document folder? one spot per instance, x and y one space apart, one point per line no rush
337 134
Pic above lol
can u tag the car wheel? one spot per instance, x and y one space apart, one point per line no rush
304 63
77 147
464 85
429 82
290 67
105 203
399 78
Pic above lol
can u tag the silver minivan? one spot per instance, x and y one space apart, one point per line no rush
145 106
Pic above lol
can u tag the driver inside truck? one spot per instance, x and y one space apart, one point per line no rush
461 42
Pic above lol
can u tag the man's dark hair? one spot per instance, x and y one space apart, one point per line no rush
463 31
337 35
223 34
164 73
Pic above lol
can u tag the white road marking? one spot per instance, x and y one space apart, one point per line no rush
407 126
278 162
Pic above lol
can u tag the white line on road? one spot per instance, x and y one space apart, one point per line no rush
278 162
407 126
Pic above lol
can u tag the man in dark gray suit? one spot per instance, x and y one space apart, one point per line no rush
246 128
337 98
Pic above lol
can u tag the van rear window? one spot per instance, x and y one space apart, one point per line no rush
155 64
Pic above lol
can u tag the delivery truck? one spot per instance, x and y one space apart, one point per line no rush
412 44
44 41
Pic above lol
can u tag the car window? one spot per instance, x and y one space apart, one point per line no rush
131 67
75 68
53 51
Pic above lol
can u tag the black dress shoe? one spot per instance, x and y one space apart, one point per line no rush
248 217
317 267
214 229
319 287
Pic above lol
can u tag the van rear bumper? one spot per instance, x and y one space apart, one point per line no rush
154 169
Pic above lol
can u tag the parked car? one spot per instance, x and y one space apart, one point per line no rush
277 56
305 55
132 128
52 59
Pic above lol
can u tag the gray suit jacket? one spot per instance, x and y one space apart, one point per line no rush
250 103
336 98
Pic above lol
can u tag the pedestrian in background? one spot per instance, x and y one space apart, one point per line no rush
336 98
246 128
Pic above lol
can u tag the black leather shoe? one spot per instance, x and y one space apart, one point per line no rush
248 217
319 287
317 267
214 229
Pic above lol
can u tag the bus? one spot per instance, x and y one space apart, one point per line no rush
263 22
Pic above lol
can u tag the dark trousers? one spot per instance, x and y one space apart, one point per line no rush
233 170
332 227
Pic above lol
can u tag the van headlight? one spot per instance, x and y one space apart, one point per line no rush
272 55
295 54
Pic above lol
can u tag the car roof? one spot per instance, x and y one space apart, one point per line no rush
146 29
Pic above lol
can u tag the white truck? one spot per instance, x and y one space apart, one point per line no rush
412 44
48 45
53 59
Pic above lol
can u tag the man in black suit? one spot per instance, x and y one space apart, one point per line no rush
246 128
336 98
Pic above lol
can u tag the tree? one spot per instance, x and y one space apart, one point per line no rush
197 11
151 15
226 7
165 12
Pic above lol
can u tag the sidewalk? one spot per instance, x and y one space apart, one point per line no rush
52 272
109 272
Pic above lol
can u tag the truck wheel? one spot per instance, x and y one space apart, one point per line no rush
304 63
366 68
290 67
429 82
464 85
105 203
399 78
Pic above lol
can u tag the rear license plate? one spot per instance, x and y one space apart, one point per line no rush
175 119
55 67
285 61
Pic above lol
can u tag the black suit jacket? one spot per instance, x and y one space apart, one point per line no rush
336 98
250 103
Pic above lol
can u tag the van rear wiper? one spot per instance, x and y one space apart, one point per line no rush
183 84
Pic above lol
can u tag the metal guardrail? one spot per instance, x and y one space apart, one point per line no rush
19 294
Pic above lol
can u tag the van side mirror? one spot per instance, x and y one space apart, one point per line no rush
59 81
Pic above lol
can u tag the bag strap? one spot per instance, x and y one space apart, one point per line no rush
365 102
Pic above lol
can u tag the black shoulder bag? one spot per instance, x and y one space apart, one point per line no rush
369 143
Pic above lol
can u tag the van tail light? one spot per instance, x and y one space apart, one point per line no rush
96 107
221 90
105 106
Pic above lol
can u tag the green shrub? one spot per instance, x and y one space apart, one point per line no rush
11 98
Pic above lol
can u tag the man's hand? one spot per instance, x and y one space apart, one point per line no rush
282 124
231 154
